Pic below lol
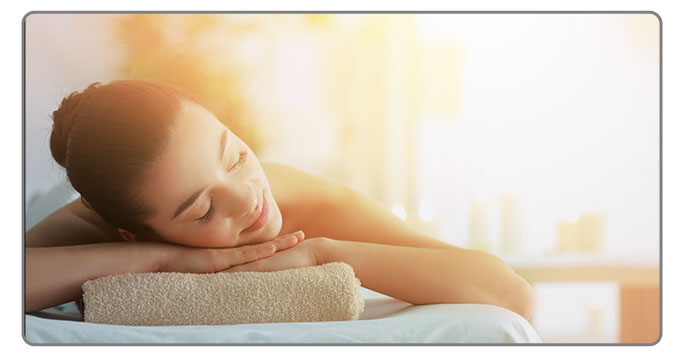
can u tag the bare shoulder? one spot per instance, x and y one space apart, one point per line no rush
72 224
323 208
302 197
277 171
290 184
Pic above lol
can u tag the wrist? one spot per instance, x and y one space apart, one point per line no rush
324 250
152 257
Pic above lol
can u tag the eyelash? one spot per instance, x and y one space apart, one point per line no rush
212 208
210 212
243 157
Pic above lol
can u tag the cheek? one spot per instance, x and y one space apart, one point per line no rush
275 224
213 235
221 234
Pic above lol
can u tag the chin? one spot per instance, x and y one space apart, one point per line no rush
274 226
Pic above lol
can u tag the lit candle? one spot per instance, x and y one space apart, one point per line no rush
583 233
567 233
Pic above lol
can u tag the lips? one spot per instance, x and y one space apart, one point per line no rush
261 217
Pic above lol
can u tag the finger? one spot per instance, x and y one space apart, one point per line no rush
285 242
297 234
246 254
250 253
262 251
241 267
300 235
288 240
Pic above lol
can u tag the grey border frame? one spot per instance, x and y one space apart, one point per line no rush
23 173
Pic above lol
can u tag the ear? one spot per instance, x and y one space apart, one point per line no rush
127 235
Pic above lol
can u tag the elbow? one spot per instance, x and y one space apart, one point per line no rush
523 298
493 282
517 294
513 291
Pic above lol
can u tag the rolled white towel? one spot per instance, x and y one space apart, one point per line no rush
328 292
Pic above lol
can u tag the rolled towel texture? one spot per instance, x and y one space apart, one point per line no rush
329 292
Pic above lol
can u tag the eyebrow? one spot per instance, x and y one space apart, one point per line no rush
189 202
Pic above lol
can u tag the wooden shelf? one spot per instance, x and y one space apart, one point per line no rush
627 271
638 278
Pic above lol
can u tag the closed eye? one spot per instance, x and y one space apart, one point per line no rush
212 209
240 161
210 213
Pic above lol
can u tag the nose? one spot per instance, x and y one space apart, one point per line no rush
237 199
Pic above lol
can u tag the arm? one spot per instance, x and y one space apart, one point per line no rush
430 275
72 224
385 251
391 257
69 247
73 245
54 275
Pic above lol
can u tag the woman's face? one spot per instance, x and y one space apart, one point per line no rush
208 189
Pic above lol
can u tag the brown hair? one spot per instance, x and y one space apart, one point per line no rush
107 137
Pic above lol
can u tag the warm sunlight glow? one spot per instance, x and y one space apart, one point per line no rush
426 211
534 137
400 211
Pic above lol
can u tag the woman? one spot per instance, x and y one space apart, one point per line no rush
155 168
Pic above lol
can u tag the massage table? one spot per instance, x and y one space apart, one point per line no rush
385 320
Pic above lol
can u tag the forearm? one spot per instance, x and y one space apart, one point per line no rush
54 275
428 276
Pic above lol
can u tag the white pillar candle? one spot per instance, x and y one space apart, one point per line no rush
590 232
477 226
567 236
509 238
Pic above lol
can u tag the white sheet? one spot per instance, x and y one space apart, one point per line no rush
385 320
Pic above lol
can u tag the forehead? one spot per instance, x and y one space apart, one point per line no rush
193 125
187 161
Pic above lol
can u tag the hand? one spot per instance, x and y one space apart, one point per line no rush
306 253
211 260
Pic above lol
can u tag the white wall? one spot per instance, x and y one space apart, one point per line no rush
561 110
64 53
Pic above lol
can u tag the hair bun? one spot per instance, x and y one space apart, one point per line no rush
64 118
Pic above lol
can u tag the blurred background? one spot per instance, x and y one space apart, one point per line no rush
531 136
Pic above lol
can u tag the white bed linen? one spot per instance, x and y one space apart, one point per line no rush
385 320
